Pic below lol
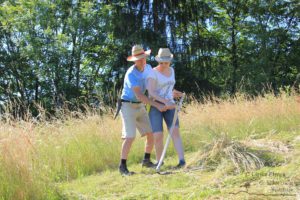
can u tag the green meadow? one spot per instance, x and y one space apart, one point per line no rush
236 148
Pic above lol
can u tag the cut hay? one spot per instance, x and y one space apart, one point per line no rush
238 155
273 146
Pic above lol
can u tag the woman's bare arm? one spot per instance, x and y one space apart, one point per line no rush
150 87
151 90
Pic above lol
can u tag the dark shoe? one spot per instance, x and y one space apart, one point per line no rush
124 171
147 163
180 165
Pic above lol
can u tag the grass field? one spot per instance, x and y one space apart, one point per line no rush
235 149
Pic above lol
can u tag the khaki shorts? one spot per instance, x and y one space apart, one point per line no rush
134 116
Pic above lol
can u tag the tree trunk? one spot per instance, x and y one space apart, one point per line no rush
234 59
155 15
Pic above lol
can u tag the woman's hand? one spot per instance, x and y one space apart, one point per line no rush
170 105
161 107
177 94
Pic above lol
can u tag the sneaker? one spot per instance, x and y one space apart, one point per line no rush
124 171
147 163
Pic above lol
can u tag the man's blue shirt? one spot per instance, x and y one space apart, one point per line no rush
134 78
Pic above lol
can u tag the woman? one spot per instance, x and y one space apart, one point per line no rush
160 87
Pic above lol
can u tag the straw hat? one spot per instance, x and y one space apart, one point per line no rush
137 53
164 55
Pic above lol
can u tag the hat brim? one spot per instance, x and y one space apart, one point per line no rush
164 59
135 58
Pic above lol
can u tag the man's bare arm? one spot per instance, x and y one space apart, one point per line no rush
144 99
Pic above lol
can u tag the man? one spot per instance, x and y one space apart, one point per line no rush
133 112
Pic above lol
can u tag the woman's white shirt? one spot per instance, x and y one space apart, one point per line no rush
161 86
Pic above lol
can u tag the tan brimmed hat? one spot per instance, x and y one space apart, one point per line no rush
164 55
137 53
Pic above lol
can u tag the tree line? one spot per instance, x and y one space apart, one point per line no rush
56 53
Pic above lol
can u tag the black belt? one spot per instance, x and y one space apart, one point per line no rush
123 100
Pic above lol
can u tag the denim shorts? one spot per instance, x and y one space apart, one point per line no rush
156 119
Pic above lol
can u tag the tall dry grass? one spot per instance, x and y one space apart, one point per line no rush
34 156
240 118
37 155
